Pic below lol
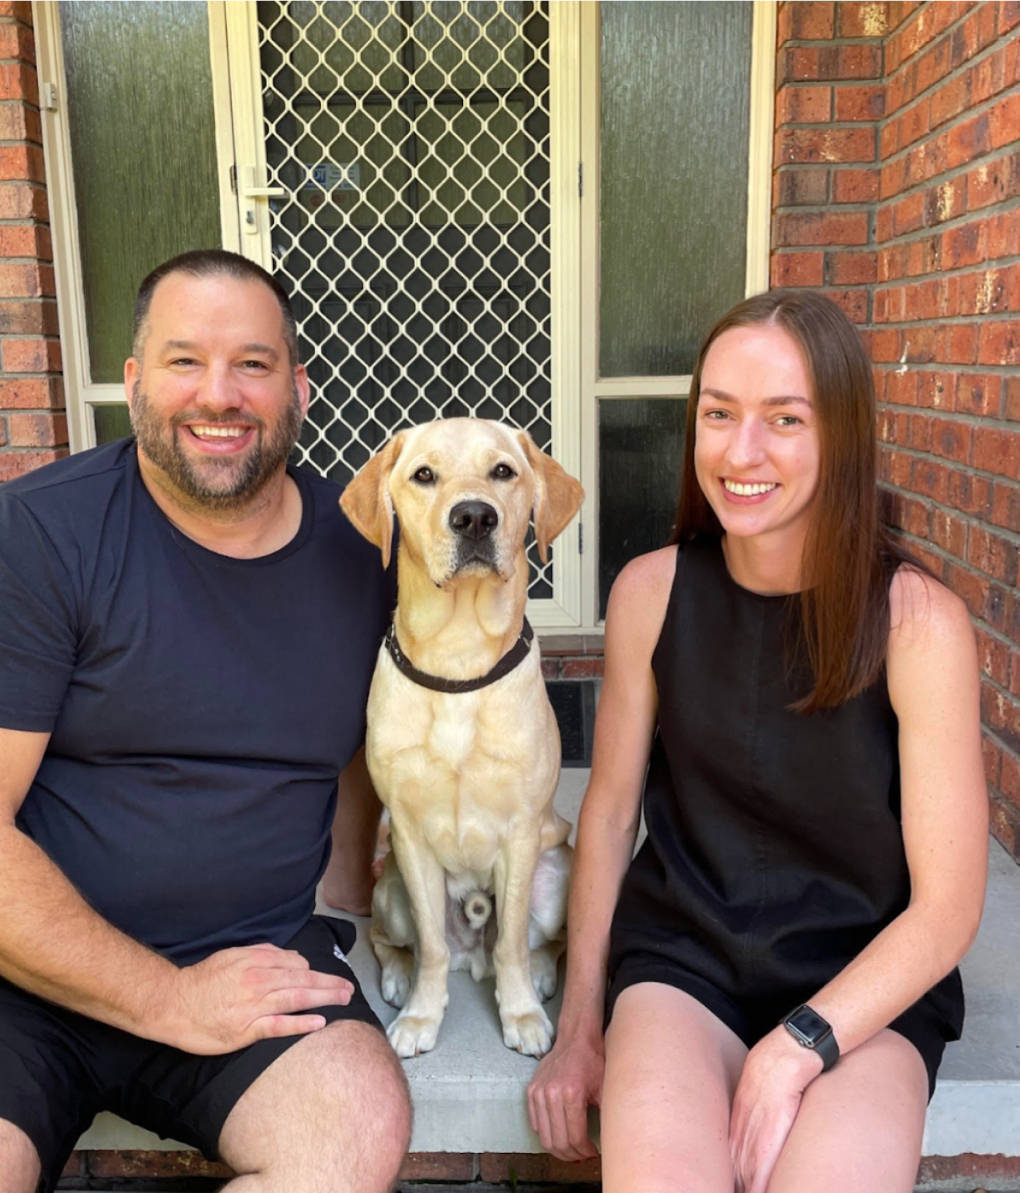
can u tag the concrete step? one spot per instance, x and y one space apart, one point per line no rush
469 1091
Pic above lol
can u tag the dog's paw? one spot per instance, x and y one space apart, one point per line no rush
530 1033
395 984
411 1035
543 972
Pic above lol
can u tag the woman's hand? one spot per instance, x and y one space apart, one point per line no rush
775 1075
566 1083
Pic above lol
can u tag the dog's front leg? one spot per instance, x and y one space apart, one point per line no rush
526 1026
415 1029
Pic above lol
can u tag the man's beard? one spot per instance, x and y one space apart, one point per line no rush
220 483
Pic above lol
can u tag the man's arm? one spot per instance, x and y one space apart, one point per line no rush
55 945
347 883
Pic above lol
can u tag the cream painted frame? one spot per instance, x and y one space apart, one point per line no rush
759 206
81 394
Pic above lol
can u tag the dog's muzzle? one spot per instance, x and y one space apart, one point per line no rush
473 522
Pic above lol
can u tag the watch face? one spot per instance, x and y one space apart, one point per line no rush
808 1025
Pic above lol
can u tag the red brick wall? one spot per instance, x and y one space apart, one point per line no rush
33 427
897 188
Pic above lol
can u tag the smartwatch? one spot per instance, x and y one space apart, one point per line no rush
810 1030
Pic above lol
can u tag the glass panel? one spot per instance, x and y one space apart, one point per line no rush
111 422
675 112
140 114
641 444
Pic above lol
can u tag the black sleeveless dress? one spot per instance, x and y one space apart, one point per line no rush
774 851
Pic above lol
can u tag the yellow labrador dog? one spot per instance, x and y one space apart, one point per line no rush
462 743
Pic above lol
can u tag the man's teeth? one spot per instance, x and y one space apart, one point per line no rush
751 490
217 432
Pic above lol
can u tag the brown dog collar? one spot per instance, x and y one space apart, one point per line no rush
516 654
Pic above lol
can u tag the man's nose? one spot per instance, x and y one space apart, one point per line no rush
217 390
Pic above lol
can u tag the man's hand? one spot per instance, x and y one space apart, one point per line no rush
765 1105
238 996
566 1083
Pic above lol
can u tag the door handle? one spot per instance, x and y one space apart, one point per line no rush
249 192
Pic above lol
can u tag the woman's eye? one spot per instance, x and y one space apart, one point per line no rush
424 476
788 420
502 472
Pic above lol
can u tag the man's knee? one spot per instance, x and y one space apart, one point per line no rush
19 1161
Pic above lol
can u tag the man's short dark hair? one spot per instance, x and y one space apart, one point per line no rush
202 263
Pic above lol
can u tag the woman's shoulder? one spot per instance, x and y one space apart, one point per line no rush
921 606
645 574
638 600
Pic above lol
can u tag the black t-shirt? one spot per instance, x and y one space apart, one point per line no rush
200 707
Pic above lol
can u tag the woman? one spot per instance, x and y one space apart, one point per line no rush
805 701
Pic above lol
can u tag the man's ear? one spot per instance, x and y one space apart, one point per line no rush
302 388
132 371
558 495
366 501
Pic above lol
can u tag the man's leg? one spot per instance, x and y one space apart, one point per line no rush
19 1162
331 1115
671 1069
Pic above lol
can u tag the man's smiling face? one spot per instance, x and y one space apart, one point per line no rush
216 403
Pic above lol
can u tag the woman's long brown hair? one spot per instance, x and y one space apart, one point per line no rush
849 556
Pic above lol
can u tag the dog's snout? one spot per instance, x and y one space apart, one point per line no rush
473 519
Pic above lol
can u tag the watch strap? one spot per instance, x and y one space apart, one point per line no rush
823 1042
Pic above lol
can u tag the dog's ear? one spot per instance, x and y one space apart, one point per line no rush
558 495
366 501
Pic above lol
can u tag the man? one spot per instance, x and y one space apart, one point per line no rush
187 635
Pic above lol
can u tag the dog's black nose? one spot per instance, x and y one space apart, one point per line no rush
473 519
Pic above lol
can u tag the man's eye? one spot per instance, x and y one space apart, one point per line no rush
502 472
255 364
424 476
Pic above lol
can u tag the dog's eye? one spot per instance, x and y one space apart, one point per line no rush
502 472
424 476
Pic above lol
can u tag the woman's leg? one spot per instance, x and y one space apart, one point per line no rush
859 1126
671 1068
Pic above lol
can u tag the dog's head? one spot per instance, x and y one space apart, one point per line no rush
463 490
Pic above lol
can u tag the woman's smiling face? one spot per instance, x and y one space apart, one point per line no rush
757 450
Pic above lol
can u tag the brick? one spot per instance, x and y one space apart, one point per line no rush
860 103
997 451
963 245
1002 234
945 201
970 494
969 587
999 342
920 344
862 20
992 554
803 185
17 41
937 391
19 10
884 344
952 98
1011 386
959 344
979 394
438 1166
20 463
31 393
155 1164
21 201
25 240
950 440
19 162
930 479
900 387
835 228
1004 121
908 214
968 140
499 1167
37 430
803 104
994 182
1009 15
949 532
812 21
1006 825
855 185
1001 713
30 356
993 657
798 269
25 281
827 144
848 269
853 303
583 669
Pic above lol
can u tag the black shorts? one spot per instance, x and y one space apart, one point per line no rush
58 1069
923 1024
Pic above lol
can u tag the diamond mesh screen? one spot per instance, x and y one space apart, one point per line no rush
412 141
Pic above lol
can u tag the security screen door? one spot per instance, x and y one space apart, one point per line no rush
398 181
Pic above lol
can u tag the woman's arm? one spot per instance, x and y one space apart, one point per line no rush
934 690
570 1077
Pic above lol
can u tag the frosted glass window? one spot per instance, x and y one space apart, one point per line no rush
641 447
675 86
140 116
